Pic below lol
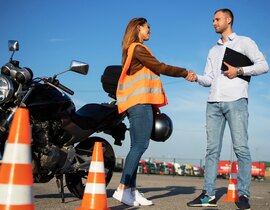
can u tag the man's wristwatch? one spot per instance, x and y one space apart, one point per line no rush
239 71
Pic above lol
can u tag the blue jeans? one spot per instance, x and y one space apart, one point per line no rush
141 123
236 114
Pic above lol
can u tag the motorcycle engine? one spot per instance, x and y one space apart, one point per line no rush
49 154
50 157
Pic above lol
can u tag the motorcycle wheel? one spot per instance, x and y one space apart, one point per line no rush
76 181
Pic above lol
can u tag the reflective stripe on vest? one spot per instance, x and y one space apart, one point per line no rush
143 87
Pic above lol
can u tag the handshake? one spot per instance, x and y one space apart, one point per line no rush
192 76
231 73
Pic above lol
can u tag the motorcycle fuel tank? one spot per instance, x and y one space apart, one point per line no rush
46 103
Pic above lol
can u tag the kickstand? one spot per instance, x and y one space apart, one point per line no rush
60 185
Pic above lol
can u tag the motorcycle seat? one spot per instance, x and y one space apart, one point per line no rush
94 116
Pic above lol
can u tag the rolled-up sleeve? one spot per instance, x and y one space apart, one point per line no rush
260 65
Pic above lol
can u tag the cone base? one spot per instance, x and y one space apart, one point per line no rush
17 207
82 208
229 199
94 202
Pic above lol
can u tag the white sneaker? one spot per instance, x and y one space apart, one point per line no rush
125 197
140 199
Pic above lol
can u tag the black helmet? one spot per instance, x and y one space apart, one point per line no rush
162 128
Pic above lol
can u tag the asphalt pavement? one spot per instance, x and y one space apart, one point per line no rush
167 193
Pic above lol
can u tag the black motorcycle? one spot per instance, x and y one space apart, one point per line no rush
62 141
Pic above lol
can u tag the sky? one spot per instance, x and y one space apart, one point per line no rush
52 33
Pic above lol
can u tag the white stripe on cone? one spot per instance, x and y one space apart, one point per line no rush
232 187
15 194
17 153
95 188
96 166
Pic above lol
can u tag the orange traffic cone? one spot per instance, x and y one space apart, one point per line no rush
16 180
232 193
95 190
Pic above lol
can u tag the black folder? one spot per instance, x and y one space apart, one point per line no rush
236 59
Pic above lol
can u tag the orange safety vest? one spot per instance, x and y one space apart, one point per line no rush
143 87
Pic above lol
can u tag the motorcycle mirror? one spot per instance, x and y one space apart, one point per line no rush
13 45
79 67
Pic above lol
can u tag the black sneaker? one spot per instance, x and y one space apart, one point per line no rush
203 201
243 203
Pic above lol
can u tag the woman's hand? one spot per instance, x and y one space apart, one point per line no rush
192 77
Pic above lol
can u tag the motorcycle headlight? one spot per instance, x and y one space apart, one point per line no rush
6 89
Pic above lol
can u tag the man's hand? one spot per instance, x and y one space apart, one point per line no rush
192 77
231 72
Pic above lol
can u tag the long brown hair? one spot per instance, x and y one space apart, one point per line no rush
131 35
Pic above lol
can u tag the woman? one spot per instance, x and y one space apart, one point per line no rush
139 92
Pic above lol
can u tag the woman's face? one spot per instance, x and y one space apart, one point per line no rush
144 32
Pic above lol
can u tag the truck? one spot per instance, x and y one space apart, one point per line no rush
224 169
185 170
257 170
198 171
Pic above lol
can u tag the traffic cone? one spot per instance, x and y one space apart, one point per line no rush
16 179
232 193
95 190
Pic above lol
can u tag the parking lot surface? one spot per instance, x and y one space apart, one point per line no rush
166 192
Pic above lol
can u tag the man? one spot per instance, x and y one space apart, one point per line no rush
227 102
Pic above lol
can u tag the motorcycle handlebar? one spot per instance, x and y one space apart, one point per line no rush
64 88
59 85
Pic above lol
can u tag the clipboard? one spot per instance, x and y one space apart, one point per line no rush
236 59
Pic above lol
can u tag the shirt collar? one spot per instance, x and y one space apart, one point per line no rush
230 38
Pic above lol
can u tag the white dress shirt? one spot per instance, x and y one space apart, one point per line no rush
221 87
